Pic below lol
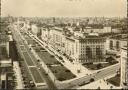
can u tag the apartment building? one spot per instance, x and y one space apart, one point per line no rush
86 49
113 43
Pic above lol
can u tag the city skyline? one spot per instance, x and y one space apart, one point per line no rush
65 8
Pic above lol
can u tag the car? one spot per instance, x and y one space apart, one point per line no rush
60 58
39 68
52 56
33 46
92 80
84 83
46 74
38 60
98 71
118 56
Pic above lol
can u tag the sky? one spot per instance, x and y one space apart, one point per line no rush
64 8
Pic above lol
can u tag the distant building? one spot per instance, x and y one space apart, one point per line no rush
113 43
34 29
102 30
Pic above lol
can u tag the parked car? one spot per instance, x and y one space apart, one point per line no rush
61 58
52 56
92 80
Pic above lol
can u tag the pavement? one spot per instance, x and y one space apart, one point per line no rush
19 79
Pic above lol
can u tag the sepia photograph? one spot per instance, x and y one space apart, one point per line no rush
63 44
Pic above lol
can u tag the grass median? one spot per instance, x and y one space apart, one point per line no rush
36 75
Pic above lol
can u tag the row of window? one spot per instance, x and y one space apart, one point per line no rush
111 45
89 60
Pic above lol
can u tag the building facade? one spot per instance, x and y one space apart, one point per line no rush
124 66
90 49
86 49
102 30
5 62
114 43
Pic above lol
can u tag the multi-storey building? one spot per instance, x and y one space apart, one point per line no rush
89 48
45 34
113 43
102 30
57 39
5 63
34 29
124 67
85 50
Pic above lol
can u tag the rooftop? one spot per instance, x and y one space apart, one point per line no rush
120 37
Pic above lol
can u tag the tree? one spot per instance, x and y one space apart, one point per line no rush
110 59
92 80
99 65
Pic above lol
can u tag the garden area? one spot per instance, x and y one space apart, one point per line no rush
62 73
115 80
97 66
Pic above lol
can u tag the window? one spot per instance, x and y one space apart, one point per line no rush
98 52
111 44
88 52
117 45
76 47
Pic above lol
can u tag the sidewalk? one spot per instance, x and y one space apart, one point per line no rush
18 75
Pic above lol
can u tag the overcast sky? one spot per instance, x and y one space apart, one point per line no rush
71 8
